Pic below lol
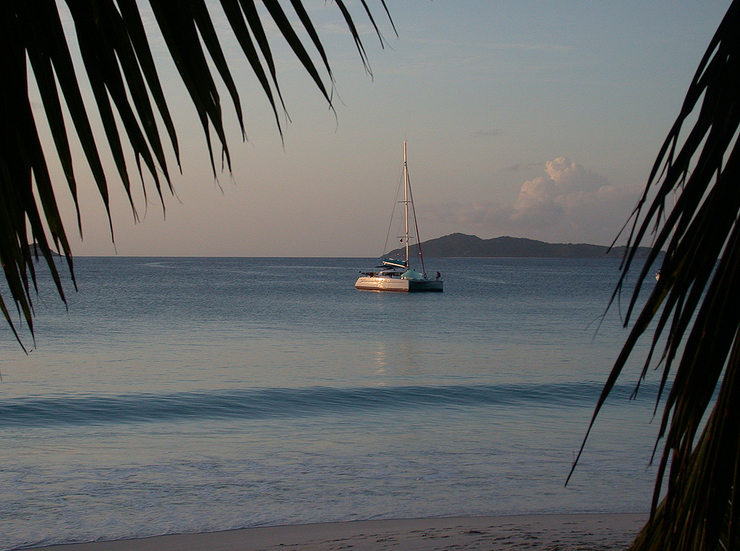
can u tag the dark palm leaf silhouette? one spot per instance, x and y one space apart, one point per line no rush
128 96
693 312
694 308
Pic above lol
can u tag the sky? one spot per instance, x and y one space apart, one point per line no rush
537 119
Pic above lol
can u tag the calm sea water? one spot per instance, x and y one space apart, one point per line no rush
189 394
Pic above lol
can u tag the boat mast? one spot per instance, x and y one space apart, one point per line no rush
406 201
409 198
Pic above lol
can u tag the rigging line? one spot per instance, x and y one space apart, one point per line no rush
393 211
416 225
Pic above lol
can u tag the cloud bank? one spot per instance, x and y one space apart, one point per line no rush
570 203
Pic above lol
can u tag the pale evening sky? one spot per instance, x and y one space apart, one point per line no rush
536 119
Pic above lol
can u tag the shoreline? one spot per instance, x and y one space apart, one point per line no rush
585 531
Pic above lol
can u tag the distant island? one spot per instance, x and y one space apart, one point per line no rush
462 245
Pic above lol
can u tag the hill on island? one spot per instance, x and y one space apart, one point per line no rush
462 245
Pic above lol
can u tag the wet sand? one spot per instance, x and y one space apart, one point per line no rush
580 532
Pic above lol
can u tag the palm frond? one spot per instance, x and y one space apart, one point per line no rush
695 307
129 98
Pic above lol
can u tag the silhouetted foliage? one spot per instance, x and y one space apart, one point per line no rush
125 85
691 207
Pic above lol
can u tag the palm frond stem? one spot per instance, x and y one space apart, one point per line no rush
128 95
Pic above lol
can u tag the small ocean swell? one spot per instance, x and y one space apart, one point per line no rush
266 403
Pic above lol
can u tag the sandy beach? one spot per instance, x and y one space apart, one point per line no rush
581 532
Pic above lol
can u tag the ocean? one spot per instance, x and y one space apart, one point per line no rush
179 395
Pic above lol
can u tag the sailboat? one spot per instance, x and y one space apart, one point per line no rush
397 274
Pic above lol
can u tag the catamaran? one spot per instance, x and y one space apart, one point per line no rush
397 274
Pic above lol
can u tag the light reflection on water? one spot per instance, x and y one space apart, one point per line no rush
164 326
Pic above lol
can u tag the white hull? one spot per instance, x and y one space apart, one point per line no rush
380 283
396 274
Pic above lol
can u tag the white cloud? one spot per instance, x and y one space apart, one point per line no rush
545 201
570 203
